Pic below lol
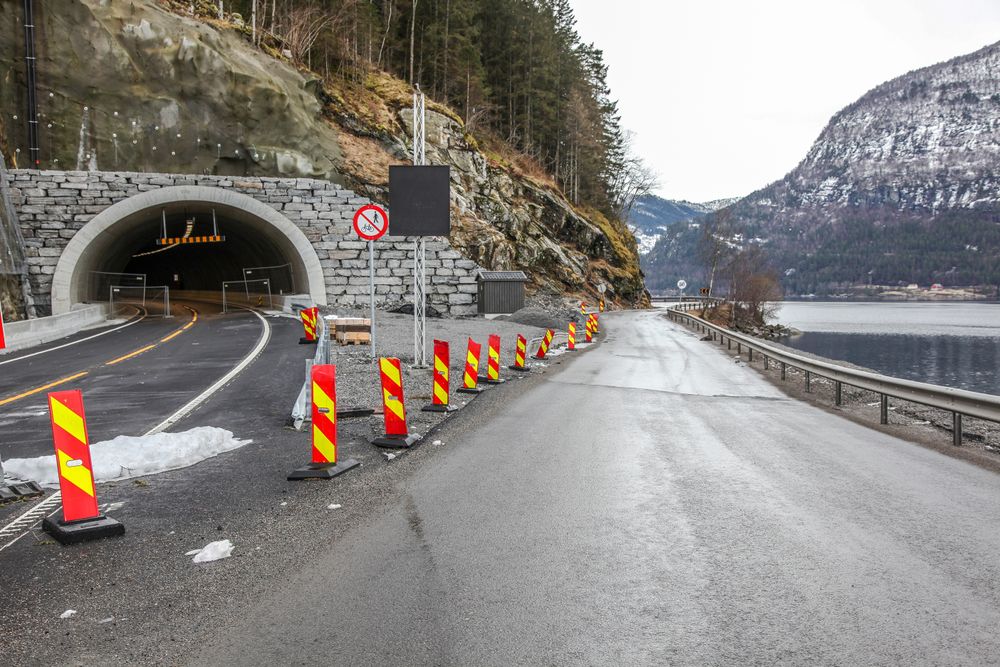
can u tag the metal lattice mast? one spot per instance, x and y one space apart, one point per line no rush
419 266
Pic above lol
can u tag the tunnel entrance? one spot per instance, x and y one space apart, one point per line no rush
254 242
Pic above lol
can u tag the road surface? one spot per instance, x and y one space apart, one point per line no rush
132 376
650 503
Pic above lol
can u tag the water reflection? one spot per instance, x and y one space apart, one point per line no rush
966 362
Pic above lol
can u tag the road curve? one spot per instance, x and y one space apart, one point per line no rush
652 503
131 378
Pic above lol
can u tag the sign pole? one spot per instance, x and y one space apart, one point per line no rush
419 247
371 292
370 224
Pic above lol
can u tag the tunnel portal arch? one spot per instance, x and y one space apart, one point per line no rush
111 240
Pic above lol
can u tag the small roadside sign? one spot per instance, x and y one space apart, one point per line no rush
371 222
602 288
681 284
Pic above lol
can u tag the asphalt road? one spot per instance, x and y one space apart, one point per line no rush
646 501
652 503
132 376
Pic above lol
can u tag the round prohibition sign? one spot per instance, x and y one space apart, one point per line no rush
371 222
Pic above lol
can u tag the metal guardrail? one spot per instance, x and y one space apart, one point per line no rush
957 401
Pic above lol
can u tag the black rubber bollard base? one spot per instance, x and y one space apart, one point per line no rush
322 470
520 369
347 413
306 341
435 407
396 441
470 390
85 530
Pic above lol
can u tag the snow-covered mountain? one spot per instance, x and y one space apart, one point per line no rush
902 185
652 216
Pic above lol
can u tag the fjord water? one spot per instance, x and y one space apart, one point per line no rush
955 344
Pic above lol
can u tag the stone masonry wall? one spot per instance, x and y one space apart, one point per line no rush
53 205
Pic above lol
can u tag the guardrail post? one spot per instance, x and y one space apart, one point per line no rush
739 348
729 343
750 352
784 367
884 409
808 382
767 363
956 429
838 392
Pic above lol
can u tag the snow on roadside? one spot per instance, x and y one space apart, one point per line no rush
128 456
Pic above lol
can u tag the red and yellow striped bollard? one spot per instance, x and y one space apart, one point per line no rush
590 330
309 316
79 519
324 464
440 390
571 341
393 406
600 305
493 361
471 376
583 307
3 341
519 355
543 347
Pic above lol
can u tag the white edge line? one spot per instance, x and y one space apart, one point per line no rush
203 396
75 342
262 342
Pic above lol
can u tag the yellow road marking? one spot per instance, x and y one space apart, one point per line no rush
36 390
55 383
130 355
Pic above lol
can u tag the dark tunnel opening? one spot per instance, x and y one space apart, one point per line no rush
205 265
251 252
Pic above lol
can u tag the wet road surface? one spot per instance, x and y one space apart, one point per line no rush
650 503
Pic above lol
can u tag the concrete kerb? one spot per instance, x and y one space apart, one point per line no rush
40 330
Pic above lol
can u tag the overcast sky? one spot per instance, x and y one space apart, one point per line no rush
726 96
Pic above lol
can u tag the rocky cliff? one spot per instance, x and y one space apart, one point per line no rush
902 186
148 86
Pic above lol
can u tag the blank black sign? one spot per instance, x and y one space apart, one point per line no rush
419 199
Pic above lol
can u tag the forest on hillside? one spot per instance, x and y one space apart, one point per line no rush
516 71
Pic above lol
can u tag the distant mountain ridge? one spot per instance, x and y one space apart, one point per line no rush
902 185
652 215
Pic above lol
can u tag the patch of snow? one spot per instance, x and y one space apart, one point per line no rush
127 456
69 613
333 506
212 551
388 456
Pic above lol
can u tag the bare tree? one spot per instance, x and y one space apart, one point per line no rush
715 245
305 25
630 180
753 287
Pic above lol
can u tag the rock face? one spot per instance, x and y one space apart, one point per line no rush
133 86
902 186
